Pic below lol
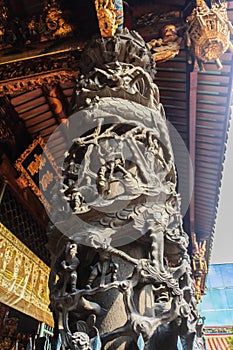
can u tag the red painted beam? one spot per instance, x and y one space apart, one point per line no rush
192 146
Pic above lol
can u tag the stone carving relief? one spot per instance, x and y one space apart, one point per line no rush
124 276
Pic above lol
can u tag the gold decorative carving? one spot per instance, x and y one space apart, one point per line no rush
208 33
55 21
27 65
21 182
36 164
50 24
106 14
164 26
198 290
166 47
3 20
13 86
3 11
23 278
200 267
27 172
199 260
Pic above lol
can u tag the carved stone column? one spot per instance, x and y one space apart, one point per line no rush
124 276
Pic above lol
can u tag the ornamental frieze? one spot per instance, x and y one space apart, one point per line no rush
26 74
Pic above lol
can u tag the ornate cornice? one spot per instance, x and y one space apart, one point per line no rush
29 73
13 86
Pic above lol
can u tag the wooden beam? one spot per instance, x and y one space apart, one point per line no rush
192 146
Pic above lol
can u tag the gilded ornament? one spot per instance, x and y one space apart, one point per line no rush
198 290
166 47
106 14
3 21
200 267
23 278
55 21
199 260
3 12
208 33
26 174
36 164
16 85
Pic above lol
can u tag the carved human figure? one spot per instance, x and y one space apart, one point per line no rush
32 27
69 266
103 267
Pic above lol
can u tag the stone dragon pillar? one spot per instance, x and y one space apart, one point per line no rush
120 252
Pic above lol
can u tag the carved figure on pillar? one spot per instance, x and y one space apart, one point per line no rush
69 266
134 271
103 267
